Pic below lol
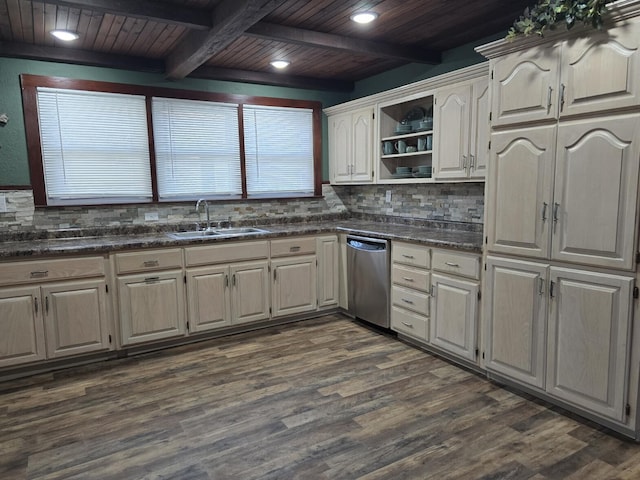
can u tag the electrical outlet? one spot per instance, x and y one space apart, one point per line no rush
151 217
3 203
388 196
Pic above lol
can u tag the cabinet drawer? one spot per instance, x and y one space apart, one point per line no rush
147 261
12 273
410 299
293 246
466 265
409 323
410 277
226 253
409 254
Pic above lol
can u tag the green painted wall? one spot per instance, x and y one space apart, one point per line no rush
14 169
454 59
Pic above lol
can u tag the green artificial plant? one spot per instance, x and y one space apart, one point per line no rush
547 14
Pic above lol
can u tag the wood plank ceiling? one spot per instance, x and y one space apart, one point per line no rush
236 39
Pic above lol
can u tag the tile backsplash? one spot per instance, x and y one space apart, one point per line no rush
453 202
450 202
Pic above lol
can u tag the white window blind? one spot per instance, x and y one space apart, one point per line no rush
94 146
197 147
278 150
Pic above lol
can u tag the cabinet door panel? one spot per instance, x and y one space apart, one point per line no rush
451 143
524 86
249 292
75 318
151 307
294 285
516 313
340 147
362 146
601 71
589 340
328 271
453 315
209 301
480 129
22 338
520 191
596 191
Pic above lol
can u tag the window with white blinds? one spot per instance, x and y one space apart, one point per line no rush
94 147
197 148
278 144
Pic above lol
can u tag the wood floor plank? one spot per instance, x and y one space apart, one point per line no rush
327 399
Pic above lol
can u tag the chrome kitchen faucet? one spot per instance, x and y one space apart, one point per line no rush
206 208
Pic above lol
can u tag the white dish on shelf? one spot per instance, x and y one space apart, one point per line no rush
421 175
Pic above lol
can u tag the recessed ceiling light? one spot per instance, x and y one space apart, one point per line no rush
280 64
65 35
364 17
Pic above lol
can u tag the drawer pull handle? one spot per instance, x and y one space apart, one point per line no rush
407 279
407 324
151 263
407 301
40 274
407 256
451 264
152 279
294 249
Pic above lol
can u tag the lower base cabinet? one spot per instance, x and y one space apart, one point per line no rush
53 319
294 285
151 306
454 315
576 322
249 292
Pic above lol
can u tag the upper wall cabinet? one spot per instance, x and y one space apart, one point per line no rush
523 85
593 73
350 146
462 131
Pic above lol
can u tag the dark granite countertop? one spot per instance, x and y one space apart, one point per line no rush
438 234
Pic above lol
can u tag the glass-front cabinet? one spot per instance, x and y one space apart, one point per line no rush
406 140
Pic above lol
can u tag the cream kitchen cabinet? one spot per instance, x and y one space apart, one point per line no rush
564 331
410 289
151 295
227 284
572 200
461 131
588 342
591 72
454 303
328 255
53 308
350 146
293 265
516 306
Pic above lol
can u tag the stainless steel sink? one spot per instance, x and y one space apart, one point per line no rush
216 232
239 231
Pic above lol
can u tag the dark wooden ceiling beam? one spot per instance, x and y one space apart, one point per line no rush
310 38
231 18
79 57
172 14
276 79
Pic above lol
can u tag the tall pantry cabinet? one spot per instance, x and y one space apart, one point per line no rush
562 217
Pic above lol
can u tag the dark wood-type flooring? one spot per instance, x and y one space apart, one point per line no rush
322 399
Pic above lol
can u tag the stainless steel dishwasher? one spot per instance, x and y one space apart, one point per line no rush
368 273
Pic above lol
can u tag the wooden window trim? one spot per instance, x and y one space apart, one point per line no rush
29 84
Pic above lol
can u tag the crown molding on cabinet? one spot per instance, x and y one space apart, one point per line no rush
422 86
